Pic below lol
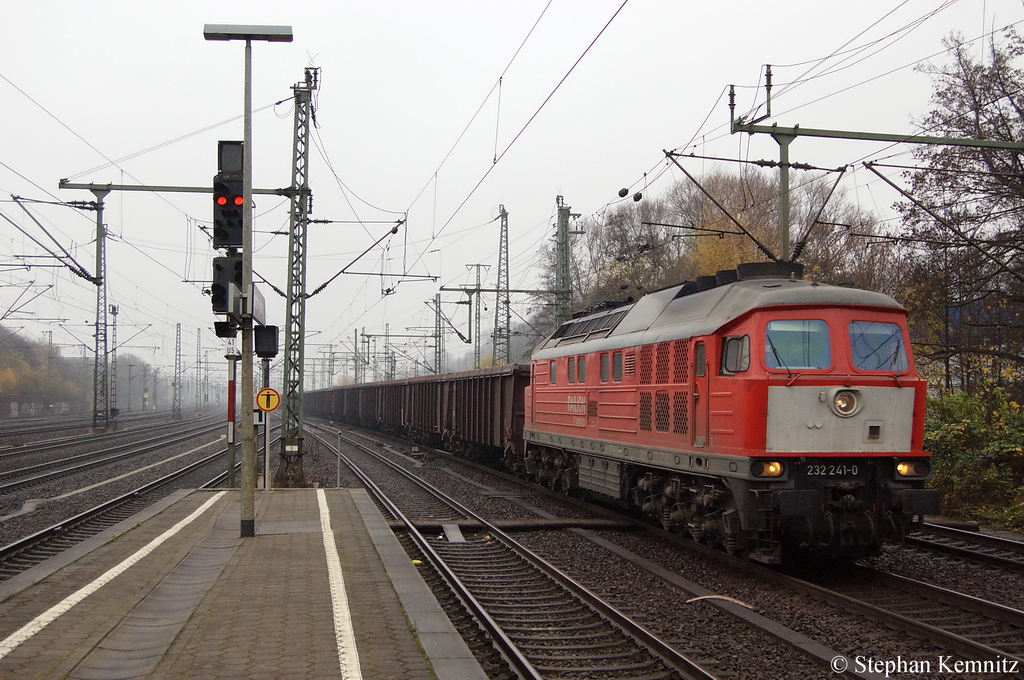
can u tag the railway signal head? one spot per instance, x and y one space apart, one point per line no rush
227 210
227 272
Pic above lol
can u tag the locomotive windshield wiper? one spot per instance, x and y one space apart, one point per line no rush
776 353
882 363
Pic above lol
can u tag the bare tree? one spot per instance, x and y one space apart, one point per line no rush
715 241
967 218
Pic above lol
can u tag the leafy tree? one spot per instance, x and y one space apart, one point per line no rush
977 444
31 372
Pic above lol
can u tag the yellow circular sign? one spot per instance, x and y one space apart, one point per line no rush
268 399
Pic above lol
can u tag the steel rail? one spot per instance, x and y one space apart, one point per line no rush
86 461
509 651
974 546
74 522
43 424
7 452
667 654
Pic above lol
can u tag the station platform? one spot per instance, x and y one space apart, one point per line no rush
323 590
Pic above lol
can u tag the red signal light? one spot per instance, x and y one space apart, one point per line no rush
220 200
238 200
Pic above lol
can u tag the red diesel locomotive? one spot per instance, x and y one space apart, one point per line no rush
753 410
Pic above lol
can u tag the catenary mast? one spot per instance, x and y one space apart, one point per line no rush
290 471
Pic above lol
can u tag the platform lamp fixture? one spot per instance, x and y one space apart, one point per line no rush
248 34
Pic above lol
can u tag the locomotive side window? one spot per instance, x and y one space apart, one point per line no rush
699 360
797 343
553 372
581 370
572 369
604 368
617 366
878 346
735 354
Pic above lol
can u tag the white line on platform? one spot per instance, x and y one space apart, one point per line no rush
348 654
54 612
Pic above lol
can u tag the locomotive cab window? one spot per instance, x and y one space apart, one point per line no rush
797 343
735 354
572 369
878 346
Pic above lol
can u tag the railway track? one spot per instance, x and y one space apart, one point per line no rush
27 552
24 427
544 624
9 455
968 627
970 545
964 625
43 472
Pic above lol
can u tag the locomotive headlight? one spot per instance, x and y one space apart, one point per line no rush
845 402
767 468
913 468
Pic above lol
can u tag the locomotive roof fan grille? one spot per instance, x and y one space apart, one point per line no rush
747 271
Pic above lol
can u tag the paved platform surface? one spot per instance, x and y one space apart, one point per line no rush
323 590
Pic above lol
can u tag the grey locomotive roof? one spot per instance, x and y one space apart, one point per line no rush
662 316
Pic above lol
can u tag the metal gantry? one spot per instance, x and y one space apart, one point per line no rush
112 418
502 309
475 329
563 281
290 471
503 320
100 379
199 369
785 136
438 336
176 407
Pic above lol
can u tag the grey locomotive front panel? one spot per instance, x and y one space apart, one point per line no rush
802 419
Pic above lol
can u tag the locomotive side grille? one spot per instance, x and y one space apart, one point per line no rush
630 364
645 411
661 411
646 369
681 358
680 411
592 409
661 362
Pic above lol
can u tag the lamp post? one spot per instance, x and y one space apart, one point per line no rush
248 34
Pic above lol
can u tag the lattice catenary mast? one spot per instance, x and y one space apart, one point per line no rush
290 471
502 310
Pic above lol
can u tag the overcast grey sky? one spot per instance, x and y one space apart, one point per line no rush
128 92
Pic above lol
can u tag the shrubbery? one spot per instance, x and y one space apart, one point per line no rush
977 444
